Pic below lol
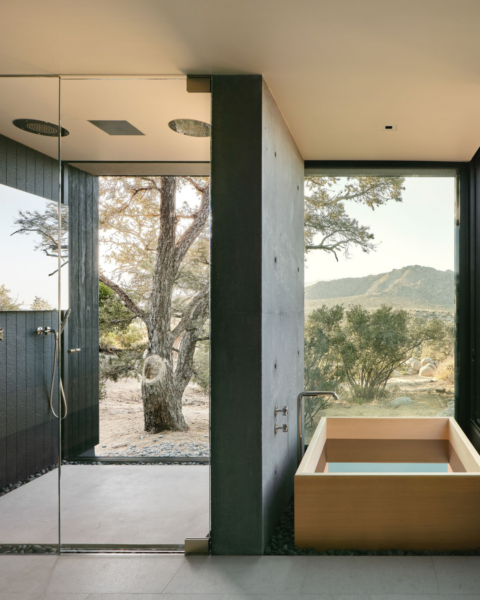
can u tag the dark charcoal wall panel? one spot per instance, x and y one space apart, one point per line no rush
3 160
82 424
28 431
10 340
21 404
3 404
256 311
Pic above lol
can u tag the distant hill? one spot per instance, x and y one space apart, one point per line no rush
415 287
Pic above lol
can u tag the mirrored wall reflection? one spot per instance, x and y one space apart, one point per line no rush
29 237
29 279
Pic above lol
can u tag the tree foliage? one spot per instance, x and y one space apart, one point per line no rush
326 215
160 274
6 300
362 348
40 304
45 225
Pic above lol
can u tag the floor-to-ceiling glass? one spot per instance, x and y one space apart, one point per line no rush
33 251
136 438
379 296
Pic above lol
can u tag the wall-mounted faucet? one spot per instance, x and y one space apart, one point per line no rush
300 398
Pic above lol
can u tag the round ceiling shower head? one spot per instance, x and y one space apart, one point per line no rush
190 127
39 127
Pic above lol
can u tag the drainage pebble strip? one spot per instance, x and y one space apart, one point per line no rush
283 544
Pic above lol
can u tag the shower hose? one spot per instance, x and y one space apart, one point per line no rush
62 393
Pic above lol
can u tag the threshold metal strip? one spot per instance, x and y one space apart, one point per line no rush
123 549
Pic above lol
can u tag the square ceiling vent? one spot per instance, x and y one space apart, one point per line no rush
117 127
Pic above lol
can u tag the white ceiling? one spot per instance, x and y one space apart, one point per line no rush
147 104
339 69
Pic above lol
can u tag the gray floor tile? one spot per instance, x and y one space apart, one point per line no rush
26 574
239 574
125 574
110 505
425 597
458 574
370 575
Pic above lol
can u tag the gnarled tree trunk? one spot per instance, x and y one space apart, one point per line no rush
163 383
162 401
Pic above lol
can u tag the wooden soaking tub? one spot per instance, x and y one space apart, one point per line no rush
379 484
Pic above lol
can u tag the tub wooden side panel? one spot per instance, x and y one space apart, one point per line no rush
375 512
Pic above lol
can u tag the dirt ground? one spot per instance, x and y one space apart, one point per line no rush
427 402
121 421
422 390
121 415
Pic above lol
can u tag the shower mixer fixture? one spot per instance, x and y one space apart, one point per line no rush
47 331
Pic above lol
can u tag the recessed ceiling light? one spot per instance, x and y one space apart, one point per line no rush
190 127
117 127
39 127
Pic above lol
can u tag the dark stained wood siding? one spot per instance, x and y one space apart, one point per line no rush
28 170
28 430
81 427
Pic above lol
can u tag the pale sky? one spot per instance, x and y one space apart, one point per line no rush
24 270
417 231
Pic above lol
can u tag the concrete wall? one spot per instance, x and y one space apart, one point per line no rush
282 305
256 311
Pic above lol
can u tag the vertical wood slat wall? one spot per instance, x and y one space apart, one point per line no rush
81 427
28 432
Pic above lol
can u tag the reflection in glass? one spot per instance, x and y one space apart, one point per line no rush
29 237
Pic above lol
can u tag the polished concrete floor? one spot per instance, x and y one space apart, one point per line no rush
238 577
159 504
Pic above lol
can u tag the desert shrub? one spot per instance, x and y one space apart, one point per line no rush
443 346
446 370
363 347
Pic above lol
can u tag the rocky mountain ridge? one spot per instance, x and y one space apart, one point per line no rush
414 287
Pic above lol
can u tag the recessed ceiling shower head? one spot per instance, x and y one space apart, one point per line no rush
190 127
39 127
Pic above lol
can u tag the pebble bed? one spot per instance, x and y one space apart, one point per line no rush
283 544
28 549
165 449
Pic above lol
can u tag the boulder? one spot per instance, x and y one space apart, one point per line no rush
415 364
411 371
427 371
402 401
426 361
396 374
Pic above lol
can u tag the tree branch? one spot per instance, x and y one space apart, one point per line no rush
124 297
189 312
194 230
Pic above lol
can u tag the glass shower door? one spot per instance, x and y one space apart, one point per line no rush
30 248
